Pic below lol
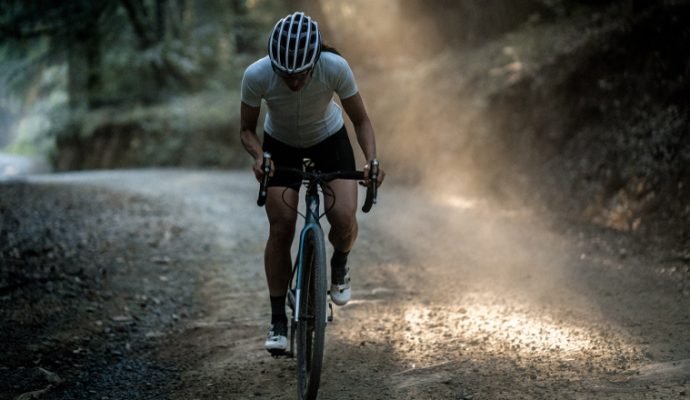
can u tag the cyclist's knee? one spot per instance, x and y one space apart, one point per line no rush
342 235
343 221
342 211
283 230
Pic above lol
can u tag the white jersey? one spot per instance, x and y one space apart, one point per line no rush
309 115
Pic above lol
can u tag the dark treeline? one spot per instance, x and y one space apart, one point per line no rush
120 50
579 104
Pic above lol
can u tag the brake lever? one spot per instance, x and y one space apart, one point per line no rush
266 167
370 199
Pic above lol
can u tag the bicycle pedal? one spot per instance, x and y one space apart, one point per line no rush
277 353
329 315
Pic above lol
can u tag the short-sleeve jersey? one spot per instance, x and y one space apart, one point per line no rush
309 115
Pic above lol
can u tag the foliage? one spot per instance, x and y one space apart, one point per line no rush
118 53
598 123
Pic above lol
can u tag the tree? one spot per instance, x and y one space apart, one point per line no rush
151 25
73 30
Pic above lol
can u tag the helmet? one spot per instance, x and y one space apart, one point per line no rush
295 44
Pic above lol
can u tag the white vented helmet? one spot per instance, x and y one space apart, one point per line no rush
295 44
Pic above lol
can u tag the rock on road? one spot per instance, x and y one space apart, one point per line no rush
453 298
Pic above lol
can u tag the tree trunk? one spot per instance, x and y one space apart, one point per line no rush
164 71
138 20
241 29
160 19
93 66
77 72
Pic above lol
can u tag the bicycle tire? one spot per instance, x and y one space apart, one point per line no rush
311 326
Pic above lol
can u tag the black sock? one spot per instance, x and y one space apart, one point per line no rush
338 262
278 315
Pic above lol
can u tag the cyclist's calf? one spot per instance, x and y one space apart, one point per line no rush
343 238
342 215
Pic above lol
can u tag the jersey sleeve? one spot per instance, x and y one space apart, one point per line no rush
345 85
251 86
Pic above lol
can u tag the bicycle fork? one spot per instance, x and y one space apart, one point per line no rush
311 223
292 299
295 294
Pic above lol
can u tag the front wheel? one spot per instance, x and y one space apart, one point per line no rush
312 315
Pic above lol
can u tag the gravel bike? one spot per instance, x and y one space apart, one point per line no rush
307 294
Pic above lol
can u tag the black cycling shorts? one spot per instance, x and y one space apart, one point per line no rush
332 154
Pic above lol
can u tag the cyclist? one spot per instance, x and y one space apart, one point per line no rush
297 81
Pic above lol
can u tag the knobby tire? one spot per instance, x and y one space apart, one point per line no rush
312 324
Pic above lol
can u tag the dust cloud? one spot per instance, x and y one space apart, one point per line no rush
503 272
430 124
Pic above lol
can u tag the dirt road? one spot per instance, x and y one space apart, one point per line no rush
157 291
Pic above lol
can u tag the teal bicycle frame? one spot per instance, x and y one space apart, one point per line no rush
311 222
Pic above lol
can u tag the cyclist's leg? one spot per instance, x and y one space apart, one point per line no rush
277 263
281 204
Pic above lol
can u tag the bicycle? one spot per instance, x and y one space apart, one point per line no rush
307 293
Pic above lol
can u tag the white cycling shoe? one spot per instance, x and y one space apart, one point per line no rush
341 292
276 340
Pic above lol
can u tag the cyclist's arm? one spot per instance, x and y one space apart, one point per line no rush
249 116
354 107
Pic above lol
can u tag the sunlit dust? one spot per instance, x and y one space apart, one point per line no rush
460 202
487 325
498 327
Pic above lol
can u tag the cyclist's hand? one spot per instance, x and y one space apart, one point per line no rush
380 176
258 168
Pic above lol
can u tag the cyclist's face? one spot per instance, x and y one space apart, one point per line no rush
296 82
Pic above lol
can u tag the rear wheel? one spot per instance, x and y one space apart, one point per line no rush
312 316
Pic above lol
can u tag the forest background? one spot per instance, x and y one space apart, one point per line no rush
576 107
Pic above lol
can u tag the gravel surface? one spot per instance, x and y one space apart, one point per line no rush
150 285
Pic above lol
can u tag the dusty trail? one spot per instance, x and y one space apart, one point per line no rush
453 299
